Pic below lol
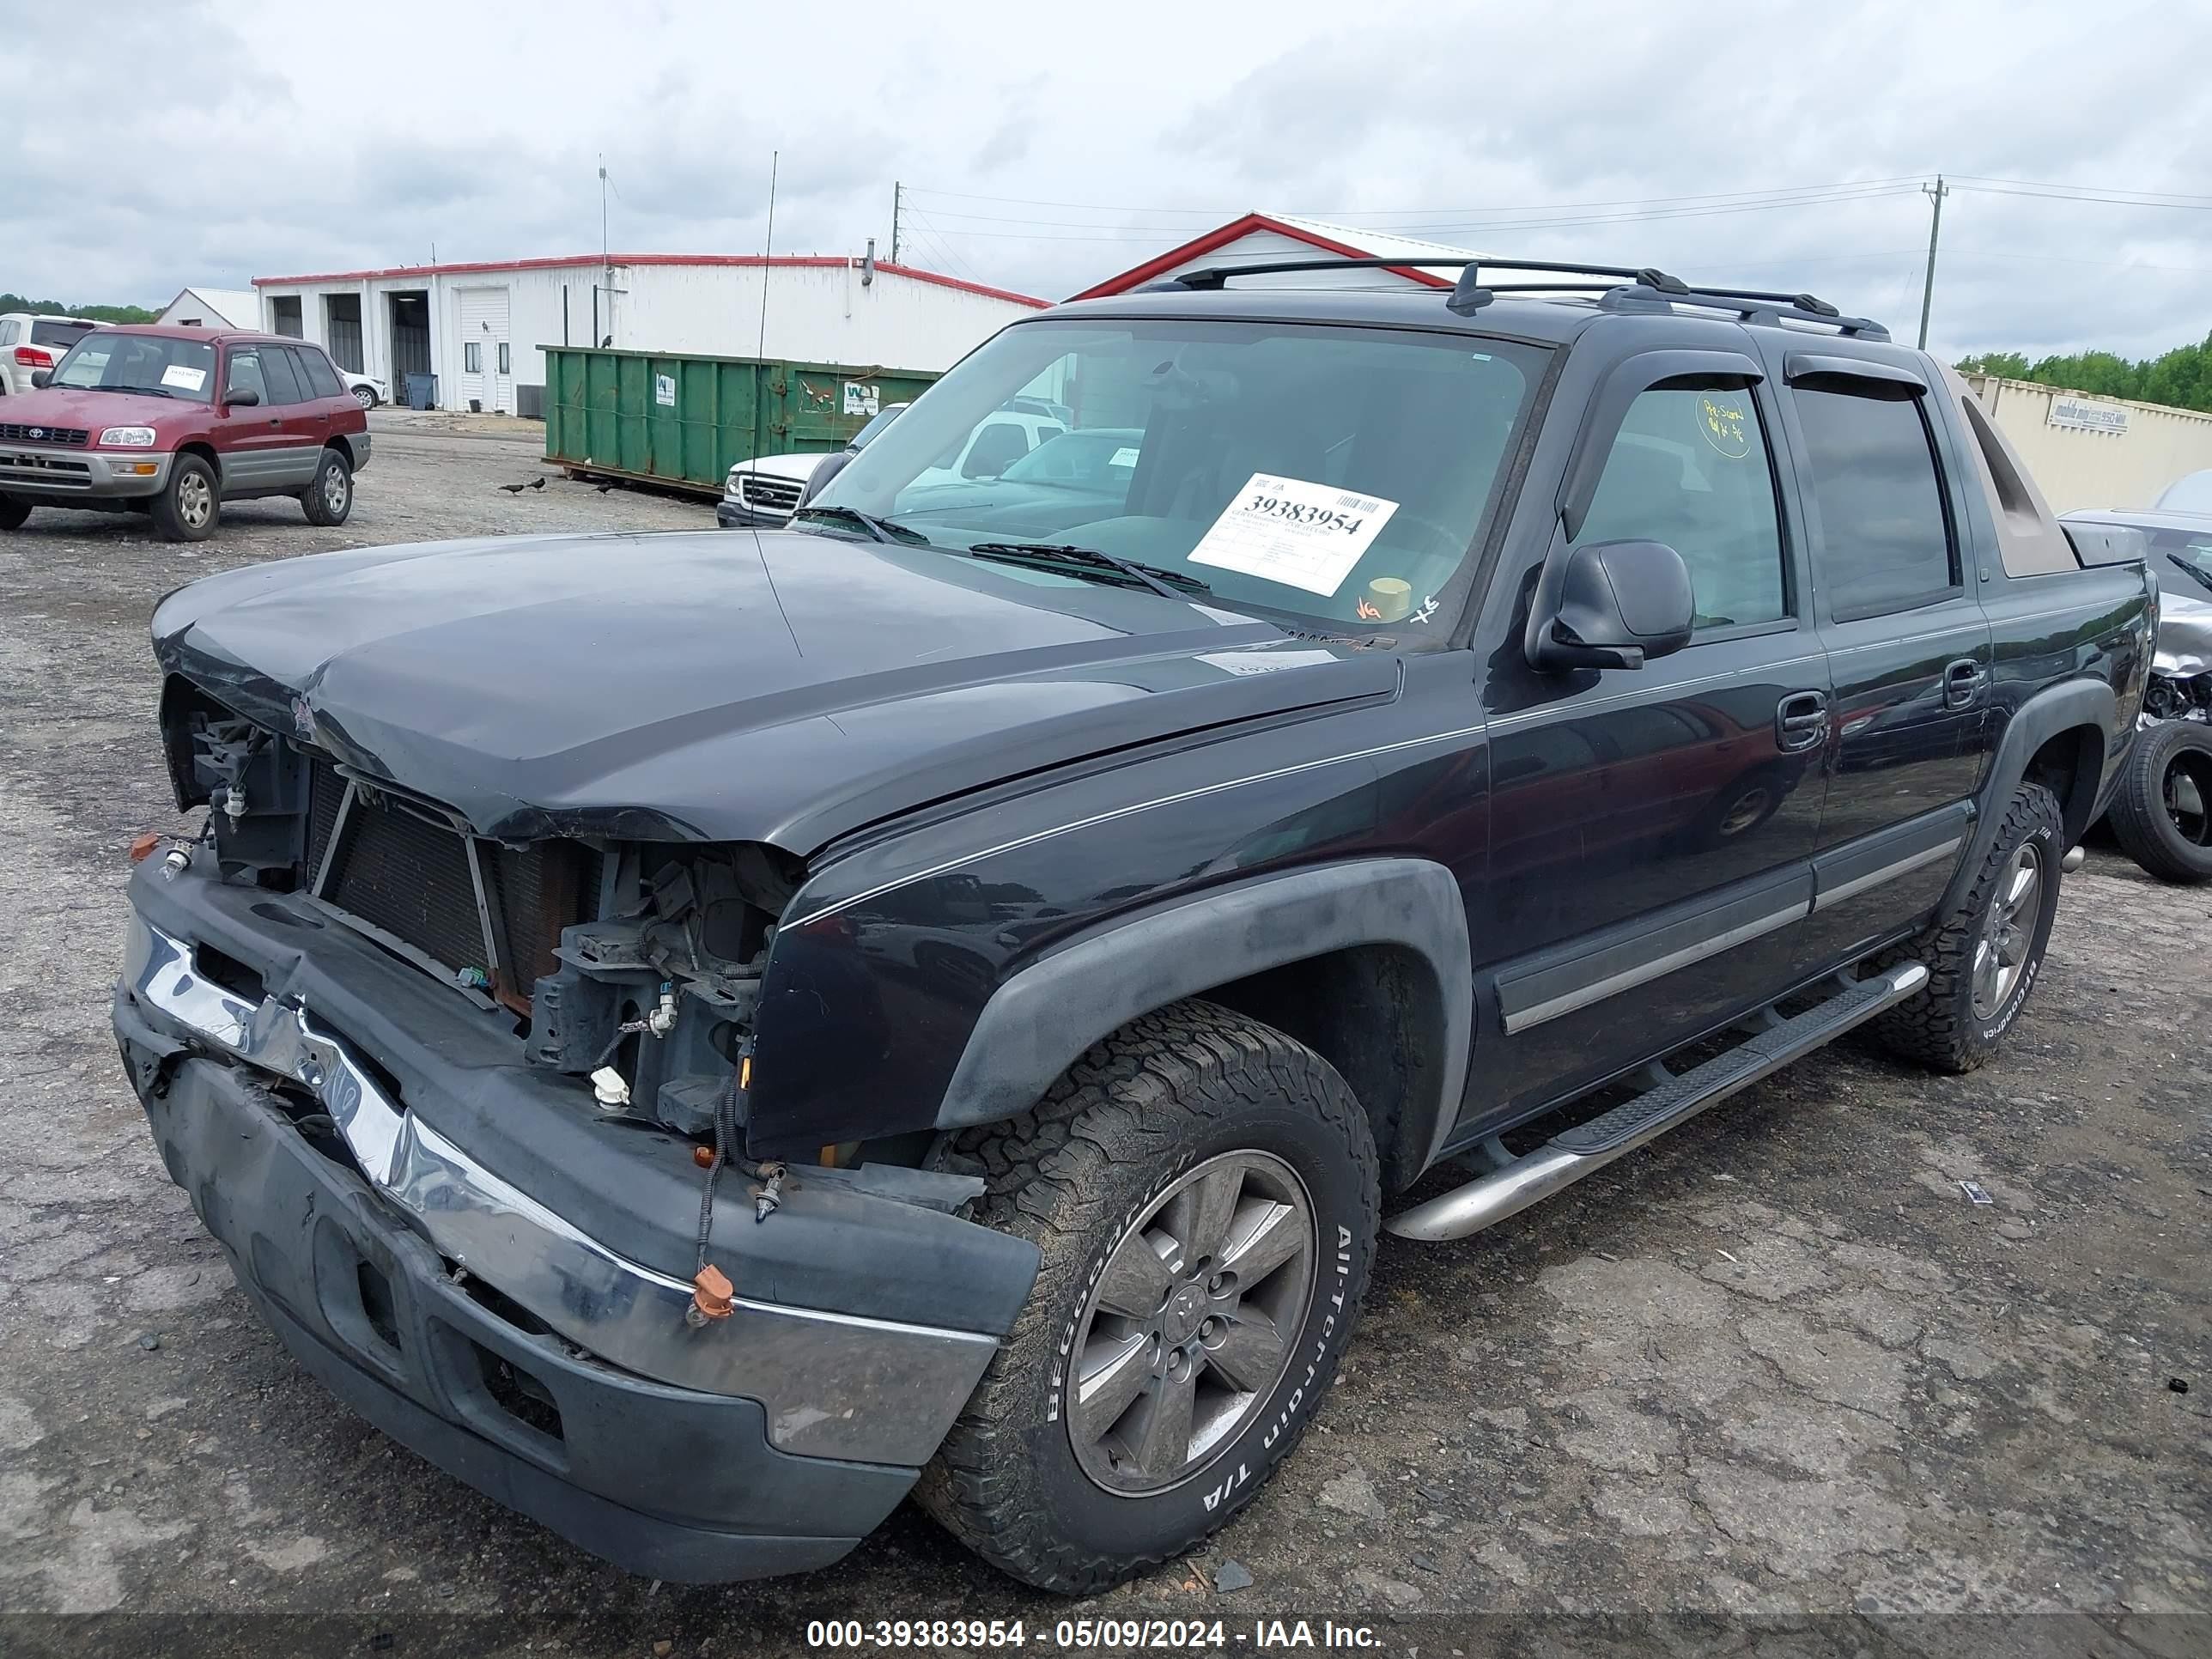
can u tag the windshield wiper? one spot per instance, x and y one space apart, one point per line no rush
1089 561
880 529
136 391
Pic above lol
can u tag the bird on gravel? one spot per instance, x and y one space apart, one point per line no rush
604 488
514 490
539 482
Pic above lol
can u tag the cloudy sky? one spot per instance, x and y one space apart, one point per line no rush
1044 147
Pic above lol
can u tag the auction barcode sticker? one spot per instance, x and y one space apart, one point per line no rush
1288 531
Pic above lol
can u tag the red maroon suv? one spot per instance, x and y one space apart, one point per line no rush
174 421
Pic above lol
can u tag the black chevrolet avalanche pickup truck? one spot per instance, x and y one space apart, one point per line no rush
702 1035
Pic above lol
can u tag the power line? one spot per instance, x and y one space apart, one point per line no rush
2178 198
2080 195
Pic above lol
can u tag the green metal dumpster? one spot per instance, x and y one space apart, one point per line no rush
680 420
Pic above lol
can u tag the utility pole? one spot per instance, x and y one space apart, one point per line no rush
1936 193
606 271
898 192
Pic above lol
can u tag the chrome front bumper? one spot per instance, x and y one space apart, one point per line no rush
833 1385
35 470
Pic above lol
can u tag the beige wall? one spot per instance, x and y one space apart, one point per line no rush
2077 469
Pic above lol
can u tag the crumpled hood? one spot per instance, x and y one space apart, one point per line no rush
719 685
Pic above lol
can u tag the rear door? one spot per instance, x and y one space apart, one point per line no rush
303 420
1652 827
1909 647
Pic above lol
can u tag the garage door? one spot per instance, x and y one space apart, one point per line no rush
486 370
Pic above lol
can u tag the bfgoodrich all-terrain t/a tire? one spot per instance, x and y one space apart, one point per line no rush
1983 956
1203 1191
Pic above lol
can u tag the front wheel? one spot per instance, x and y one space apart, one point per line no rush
365 396
13 512
188 508
329 500
1203 1191
1984 956
2162 814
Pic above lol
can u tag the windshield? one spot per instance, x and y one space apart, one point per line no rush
155 364
2189 552
882 418
1339 474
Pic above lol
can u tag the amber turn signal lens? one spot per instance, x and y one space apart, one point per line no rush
745 1072
141 847
703 1156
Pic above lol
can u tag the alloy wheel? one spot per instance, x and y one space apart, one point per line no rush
2007 931
1190 1326
336 489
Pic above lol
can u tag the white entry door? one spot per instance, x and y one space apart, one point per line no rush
487 376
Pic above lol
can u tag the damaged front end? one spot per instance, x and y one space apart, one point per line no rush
635 964
451 1104
2180 685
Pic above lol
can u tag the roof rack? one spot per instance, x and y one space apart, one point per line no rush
1643 288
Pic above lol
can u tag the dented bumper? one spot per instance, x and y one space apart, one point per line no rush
573 1390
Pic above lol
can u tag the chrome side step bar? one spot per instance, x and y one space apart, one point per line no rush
1514 1183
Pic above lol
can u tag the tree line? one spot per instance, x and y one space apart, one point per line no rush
90 314
2181 378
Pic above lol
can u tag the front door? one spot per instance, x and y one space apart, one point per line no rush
1651 828
1909 647
250 438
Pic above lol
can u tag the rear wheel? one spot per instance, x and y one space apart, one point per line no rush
189 506
2162 813
1202 1189
1983 957
329 500
13 512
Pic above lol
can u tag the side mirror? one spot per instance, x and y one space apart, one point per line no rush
1610 604
41 377
830 467
244 396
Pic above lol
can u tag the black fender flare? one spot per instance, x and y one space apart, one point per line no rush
1041 1020
2077 703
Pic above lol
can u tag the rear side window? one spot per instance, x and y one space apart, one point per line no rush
322 380
1885 527
7 333
1688 468
58 334
276 370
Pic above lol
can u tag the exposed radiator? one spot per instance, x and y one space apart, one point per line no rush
403 871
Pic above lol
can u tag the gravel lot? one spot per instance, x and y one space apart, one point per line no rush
1775 1364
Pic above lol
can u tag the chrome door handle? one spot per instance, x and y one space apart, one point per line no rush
1800 720
1962 682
